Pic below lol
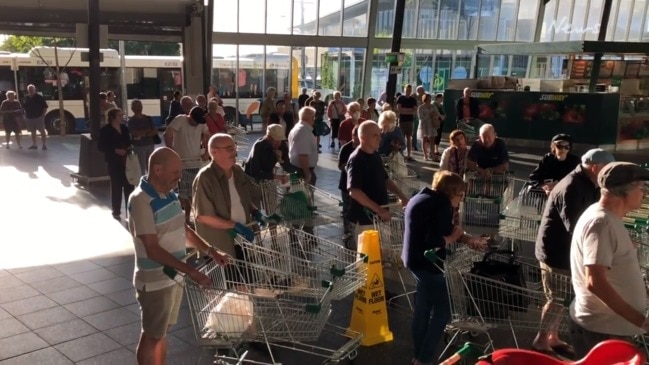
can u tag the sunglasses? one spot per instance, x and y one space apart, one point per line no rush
563 146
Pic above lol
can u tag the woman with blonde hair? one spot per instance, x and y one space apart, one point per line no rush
392 138
428 224
454 158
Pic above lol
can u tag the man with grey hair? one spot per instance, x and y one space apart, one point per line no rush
346 127
610 293
221 198
11 112
566 202
488 155
35 108
303 147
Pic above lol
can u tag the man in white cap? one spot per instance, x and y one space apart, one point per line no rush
265 153
610 293
566 202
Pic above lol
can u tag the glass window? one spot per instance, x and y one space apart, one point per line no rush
507 20
329 69
350 71
591 31
527 18
406 76
635 31
564 18
443 65
385 19
448 20
277 72
578 21
227 23
623 18
73 81
252 17
469 18
355 18
519 66
424 69
612 26
428 19
500 65
462 68
483 65
306 58
279 17
410 19
330 17
549 21
305 15
488 20
379 75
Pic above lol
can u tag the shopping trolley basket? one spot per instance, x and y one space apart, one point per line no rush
306 259
494 186
299 203
409 186
396 166
521 218
497 289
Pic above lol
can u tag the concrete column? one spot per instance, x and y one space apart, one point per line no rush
194 56
373 9
82 36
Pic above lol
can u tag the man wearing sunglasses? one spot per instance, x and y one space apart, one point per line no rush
556 164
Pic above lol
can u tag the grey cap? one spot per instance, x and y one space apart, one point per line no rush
597 156
617 174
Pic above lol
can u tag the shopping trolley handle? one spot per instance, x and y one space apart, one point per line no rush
431 255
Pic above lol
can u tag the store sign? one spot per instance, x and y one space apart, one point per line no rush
564 26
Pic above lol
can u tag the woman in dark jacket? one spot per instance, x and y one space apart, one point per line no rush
429 225
556 164
114 142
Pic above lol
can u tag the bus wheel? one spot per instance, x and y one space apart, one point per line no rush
53 123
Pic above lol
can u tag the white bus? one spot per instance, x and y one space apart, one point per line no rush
152 79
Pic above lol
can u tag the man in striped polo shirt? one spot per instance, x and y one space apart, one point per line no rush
157 224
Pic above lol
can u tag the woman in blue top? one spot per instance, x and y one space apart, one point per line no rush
429 225
392 138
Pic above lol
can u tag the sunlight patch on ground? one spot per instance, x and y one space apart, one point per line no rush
49 223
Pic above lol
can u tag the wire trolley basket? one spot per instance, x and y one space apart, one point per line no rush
306 260
521 218
299 203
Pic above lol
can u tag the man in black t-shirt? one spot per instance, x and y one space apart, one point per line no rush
35 107
488 155
407 108
301 100
367 181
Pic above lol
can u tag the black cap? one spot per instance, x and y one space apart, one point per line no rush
197 114
562 137
617 174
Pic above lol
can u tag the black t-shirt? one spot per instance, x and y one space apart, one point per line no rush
302 100
34 106
343 156
487 158
406 102
366 172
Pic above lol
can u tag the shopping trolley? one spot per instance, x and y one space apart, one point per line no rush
248 304
308 259
484 198
396 167
609 352
480 302
299 203
239 135
470 127
520 220
190 168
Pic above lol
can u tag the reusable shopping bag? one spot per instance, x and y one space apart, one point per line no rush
133 169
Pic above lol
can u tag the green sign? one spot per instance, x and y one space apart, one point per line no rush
391 57
616 81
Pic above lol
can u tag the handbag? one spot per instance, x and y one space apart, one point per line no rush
493 286
133 169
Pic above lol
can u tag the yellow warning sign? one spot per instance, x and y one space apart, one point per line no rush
370 314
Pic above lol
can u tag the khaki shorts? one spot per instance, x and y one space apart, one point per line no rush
159 309
35 124
556 283
406 127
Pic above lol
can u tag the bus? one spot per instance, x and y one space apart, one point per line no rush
151 79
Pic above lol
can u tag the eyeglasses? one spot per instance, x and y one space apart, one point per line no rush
227 148
563 146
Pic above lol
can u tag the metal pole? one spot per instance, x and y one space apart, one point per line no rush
94 67
597 61
122 73
399 10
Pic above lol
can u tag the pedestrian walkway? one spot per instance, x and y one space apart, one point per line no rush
65 273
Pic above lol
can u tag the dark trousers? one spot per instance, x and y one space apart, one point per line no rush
432 313
335 125
438 139
118 186
347 203
583 340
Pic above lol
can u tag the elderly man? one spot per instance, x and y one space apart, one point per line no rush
265 154
160 241
346 127
367 181
610 293
467 107
222 201
186 134
35 108
488 155
566 202
303 147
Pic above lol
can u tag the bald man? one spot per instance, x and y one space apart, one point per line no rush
367 181
488 155
467 107
222 197
157 224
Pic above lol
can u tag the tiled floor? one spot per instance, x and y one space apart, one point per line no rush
65 271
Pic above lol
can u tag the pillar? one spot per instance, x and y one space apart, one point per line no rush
196 58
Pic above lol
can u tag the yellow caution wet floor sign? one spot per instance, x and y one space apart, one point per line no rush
370 314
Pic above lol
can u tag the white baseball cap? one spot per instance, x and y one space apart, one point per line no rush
276 132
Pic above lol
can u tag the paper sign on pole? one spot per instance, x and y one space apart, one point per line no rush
369 313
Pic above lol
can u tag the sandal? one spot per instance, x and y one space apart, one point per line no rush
565 350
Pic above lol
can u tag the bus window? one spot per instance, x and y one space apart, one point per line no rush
46 81
142 83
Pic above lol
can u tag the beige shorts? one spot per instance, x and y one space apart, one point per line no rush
159 309
556 283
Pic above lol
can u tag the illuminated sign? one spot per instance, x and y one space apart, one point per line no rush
549 97
564 26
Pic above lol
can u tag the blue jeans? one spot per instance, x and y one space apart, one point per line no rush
432 313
